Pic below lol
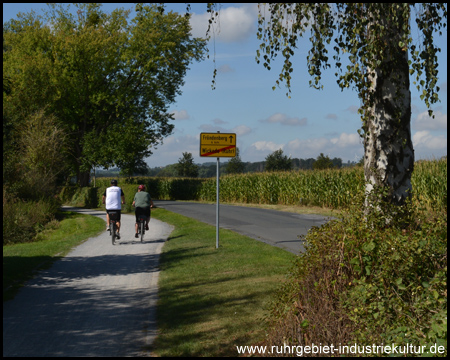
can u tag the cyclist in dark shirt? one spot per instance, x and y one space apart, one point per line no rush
143 202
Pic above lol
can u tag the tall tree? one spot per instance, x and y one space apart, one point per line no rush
278 162
235 164
186 166
376 38
323 162
109 81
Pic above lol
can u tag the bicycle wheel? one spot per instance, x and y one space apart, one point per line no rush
113 232
141 225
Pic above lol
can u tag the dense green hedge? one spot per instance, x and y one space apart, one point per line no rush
159 188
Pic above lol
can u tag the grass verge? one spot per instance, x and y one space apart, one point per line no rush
212 300
20 261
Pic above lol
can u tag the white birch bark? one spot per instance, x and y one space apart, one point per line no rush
389 153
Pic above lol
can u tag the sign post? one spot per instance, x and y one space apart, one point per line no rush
217 145
217 202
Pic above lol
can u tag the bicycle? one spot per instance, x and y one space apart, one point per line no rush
113 219
141 226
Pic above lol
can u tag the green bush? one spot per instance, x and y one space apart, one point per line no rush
22 220
82 197
366 284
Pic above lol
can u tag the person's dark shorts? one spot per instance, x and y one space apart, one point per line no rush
142 211
112 216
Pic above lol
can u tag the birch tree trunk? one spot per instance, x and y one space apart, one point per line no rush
389 153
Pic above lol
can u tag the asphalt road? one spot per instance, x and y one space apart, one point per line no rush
99 300
277 228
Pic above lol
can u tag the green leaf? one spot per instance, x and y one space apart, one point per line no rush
369 246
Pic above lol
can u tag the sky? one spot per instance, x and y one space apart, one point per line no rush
264 120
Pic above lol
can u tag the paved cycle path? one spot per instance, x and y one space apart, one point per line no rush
99 300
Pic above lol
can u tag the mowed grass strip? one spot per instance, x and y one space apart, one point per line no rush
212 300
20 261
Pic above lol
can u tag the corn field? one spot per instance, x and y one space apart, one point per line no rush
326 188
429 181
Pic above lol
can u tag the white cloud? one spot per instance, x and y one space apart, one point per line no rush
259 150
234 24
425 122
352 109
285 120
346 147
425 140
241 130
212 128
218 121
180 115
307 148
345 140
267 146
225 69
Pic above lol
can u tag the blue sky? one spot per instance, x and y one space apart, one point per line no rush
309 123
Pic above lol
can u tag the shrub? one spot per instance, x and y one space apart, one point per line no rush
22 220
367 285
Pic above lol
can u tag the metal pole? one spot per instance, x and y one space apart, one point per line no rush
217 205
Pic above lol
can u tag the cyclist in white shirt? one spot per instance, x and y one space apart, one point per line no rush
113 197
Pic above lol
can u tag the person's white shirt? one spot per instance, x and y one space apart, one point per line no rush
113 198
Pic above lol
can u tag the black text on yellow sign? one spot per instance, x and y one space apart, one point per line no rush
217 144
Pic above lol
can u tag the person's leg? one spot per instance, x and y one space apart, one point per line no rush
148 218
136 224
118 223
107 221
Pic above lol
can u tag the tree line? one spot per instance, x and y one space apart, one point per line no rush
276 161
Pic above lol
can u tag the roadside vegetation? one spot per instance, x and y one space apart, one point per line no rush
22 260
367 283
211 300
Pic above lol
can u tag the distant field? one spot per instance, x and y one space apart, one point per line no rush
335 188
